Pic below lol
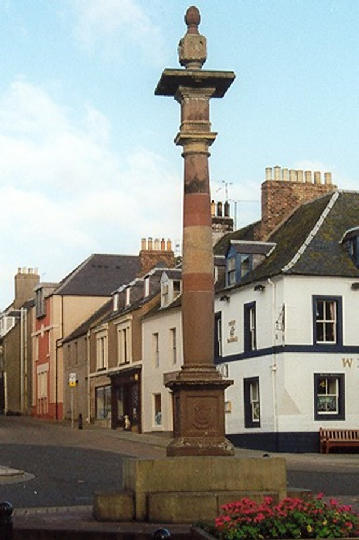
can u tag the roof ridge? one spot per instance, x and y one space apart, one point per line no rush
312 233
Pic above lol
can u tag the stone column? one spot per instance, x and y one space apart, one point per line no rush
198 390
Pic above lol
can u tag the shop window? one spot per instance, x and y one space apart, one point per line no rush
103 402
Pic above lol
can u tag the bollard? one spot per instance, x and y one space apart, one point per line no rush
161 534
6 510
80 424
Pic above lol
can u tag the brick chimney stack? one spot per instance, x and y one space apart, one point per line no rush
26 280
155 251
283 190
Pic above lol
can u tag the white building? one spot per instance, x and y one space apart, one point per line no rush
162 353
287 327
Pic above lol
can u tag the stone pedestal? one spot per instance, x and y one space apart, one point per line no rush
189 489
198 402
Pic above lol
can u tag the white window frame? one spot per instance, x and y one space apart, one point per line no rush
101 351
254 401
146 287
124 348
156 349
128 296
157 416
328 396
173 345
324 321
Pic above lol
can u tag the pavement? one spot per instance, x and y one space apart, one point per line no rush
148 445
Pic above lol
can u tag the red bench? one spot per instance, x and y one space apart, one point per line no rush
337 437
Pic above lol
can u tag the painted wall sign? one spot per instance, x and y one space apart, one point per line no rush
232 332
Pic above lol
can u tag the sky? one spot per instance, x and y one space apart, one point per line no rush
87 160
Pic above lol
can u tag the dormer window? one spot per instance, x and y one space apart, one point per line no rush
146 286
243 256
350 241
238 266
128 296
164 294
231 270
170 288
116 298
40 303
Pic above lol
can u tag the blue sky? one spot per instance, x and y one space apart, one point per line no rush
87 160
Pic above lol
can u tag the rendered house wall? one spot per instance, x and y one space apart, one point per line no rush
286 372
152 378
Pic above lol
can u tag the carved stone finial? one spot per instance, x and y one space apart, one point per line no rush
192 49
192 19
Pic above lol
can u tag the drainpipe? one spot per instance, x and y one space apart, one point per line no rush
5 382
26 396
57 345
274 365
22 360
88 420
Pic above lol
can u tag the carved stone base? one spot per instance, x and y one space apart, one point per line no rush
198 414
200 446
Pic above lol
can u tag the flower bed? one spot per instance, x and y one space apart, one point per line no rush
308 517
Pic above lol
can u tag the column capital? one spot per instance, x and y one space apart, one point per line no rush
197 142
190 92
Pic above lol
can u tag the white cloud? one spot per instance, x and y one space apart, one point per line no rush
110 26
65 194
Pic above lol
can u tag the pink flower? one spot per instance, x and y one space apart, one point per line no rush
333 502
320 495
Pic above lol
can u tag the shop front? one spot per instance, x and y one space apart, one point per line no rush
126 399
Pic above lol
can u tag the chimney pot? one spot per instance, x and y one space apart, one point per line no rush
163 244
219 209
143 244
213 208
277 173
226 209
292 175
169 245
268 173
150 244
327 178
157 244
316 177
285 175
308 176
300 176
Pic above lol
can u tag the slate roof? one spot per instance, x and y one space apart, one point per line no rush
95 318
99 275
246 233
308 242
